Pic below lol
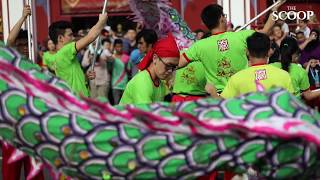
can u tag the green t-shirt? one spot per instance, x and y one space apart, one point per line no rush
68 68
299 78
141 90
119 73
222 56
48 60
190 80
245 81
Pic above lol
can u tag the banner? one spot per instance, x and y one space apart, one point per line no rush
93 6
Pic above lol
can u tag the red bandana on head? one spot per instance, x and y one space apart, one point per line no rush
165 47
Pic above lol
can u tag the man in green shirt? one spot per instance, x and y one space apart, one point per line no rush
299 77
158 64
189 83
143 90
259 73
224 53
67 66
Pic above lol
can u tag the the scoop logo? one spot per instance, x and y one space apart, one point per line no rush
292 14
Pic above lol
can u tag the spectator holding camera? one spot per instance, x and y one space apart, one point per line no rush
312 49
313 69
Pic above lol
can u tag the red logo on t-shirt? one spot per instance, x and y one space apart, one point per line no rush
261 74
223 45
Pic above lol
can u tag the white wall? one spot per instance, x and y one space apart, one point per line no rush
11 13
238 11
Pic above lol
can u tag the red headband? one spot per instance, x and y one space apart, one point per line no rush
165 47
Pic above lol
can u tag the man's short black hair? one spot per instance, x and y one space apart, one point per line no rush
105 40
231 25
198 31
117 41
277 25
258 45
23 34
206 35
211 15
149 36
312 57
58 28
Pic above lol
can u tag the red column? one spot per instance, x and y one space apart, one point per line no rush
177 5
41 24
55 9
262 5
192 13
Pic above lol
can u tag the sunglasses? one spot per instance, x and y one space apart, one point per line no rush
168 66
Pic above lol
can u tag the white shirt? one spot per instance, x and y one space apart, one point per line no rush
102 74
285 28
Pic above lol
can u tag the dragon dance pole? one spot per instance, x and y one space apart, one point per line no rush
261 14
98 39
28 2
32 31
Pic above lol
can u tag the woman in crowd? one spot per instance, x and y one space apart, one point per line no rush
277 37
289 52
48 56
312 49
